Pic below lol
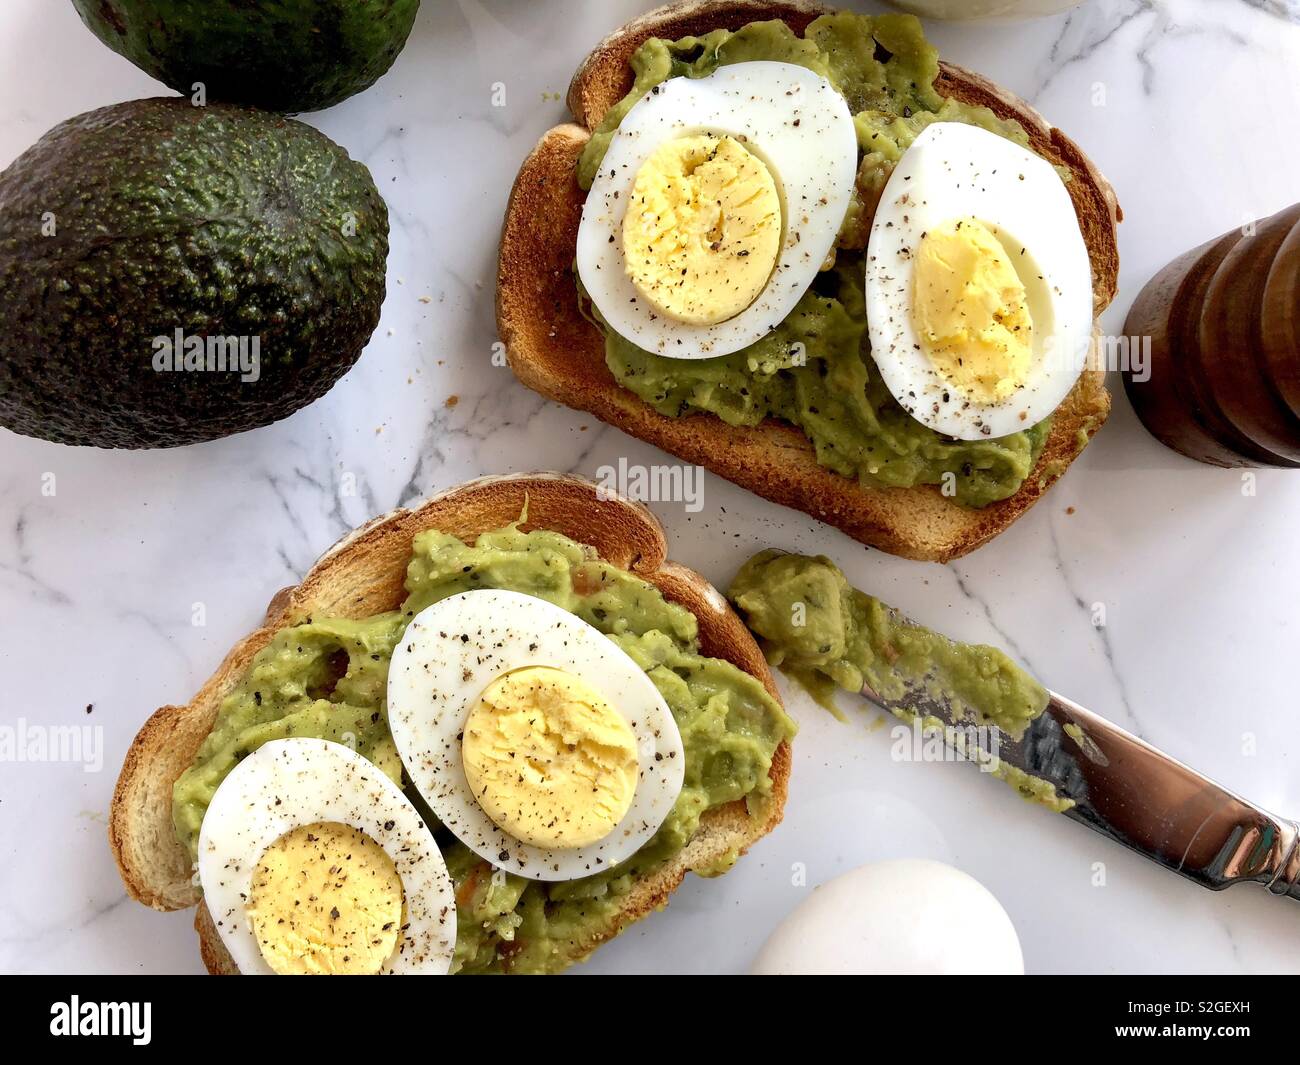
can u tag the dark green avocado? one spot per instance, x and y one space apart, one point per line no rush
284 55
145 246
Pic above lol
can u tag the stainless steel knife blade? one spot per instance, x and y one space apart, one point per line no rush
1122 787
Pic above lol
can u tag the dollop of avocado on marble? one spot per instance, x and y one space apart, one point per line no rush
327 678
828 636
815 370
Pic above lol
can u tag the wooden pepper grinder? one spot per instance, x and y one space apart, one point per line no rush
1223 381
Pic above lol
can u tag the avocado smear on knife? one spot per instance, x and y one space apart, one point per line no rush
327 678
826 635
815 370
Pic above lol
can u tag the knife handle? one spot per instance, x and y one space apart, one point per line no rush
1154 804
1287 881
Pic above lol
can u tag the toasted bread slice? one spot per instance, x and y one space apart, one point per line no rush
554 350
364 575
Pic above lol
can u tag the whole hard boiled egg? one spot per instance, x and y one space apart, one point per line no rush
313 862
906 917
978 285
717 203
537 741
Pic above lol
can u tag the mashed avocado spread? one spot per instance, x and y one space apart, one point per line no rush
827 635
815 369
327 678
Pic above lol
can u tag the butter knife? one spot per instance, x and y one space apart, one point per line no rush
1127 790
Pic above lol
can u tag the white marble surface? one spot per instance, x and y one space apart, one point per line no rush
1199 582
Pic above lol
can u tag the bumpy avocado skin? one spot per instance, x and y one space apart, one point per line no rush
132 221
284 55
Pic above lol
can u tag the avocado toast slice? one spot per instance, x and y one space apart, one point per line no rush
363 575
557 350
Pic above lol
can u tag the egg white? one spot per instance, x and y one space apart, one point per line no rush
903 917
952 172
288 783
452 651
796 122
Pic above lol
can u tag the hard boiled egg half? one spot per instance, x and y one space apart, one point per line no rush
716 205
313 862
532 736
978 285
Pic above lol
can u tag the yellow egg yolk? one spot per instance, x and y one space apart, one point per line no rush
971 310
702 231
548 759
326 900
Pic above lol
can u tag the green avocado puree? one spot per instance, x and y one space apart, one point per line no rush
826 635
327 678
815 369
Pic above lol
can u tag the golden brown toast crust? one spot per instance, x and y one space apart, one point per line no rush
554 350
364 575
